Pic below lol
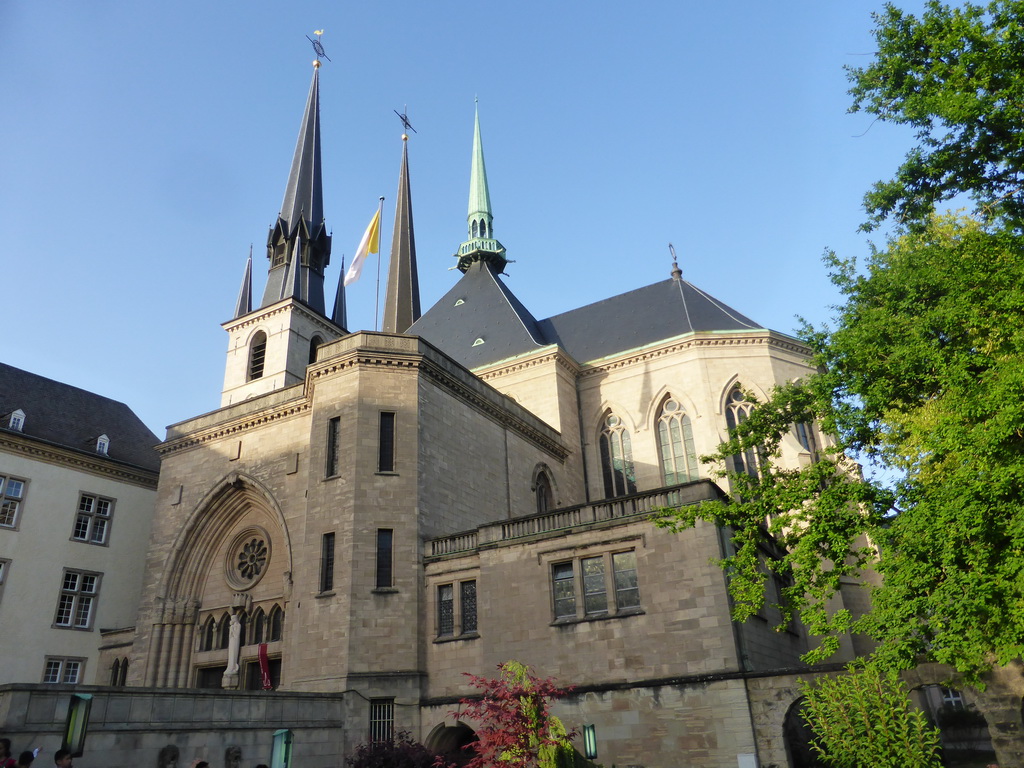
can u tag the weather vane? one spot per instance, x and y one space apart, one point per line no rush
318 47
405 119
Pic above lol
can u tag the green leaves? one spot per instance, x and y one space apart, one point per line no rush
922 374
955 74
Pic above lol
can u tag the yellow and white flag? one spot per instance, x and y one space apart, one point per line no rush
369 244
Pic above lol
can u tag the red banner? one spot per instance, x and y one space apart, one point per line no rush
265 667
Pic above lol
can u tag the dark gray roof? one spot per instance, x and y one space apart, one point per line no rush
634 319
73 418
480 306
637 318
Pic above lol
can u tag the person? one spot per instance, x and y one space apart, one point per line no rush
62 759
6 760
25 759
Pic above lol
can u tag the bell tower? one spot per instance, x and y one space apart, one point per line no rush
269 347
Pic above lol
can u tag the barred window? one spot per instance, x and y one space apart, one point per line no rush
77 602
385 577
92 522
327 562
445 611
12 494
467 606
382 719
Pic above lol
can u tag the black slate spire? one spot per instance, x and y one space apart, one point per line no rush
402 299
301 221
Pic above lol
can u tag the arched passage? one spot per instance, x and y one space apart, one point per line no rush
797 736
451 741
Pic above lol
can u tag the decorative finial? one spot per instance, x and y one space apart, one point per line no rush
677 273
405 121
318 48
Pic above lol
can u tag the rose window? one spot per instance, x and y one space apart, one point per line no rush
252 559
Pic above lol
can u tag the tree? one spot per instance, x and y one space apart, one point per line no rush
923 374
861 739
954 75
516 728
398 752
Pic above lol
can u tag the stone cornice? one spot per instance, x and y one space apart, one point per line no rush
645 354
290 304
404 353
70 459
235 426
547 355
395 352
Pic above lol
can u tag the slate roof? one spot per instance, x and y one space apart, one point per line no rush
73 418
489 311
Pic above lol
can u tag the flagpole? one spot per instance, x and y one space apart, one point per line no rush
376 306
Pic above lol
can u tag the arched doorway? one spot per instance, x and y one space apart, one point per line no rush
797 736
451 741
962 727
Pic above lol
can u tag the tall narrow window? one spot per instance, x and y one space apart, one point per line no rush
275 624
257 355
333 429
4 567
385 577
314 345
445 610
595 593
467 606
627 595
564 590
327 562
12 493
805 436
386 442
382 719
736 412
675 440
616 458
259 625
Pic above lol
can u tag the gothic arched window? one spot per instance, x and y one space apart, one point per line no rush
483 228
675 441
737 409
209 633
224 632
474 228
276 622
259 622
257 355
616 458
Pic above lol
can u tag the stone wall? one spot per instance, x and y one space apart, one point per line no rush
129 726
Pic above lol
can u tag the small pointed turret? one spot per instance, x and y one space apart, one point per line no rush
301 220
340 314
244 304
402 298
481 245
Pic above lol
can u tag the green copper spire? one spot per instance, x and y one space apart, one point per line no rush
481 245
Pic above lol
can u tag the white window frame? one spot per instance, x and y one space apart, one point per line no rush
103 445
63 670
9 500
77 600
17 420
95 514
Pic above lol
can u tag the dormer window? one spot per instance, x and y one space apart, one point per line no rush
17 422
102 445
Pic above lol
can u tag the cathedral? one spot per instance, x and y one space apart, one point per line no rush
370 515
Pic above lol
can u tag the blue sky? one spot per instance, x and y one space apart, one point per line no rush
146 145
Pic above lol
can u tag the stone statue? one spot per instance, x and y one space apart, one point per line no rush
234 644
